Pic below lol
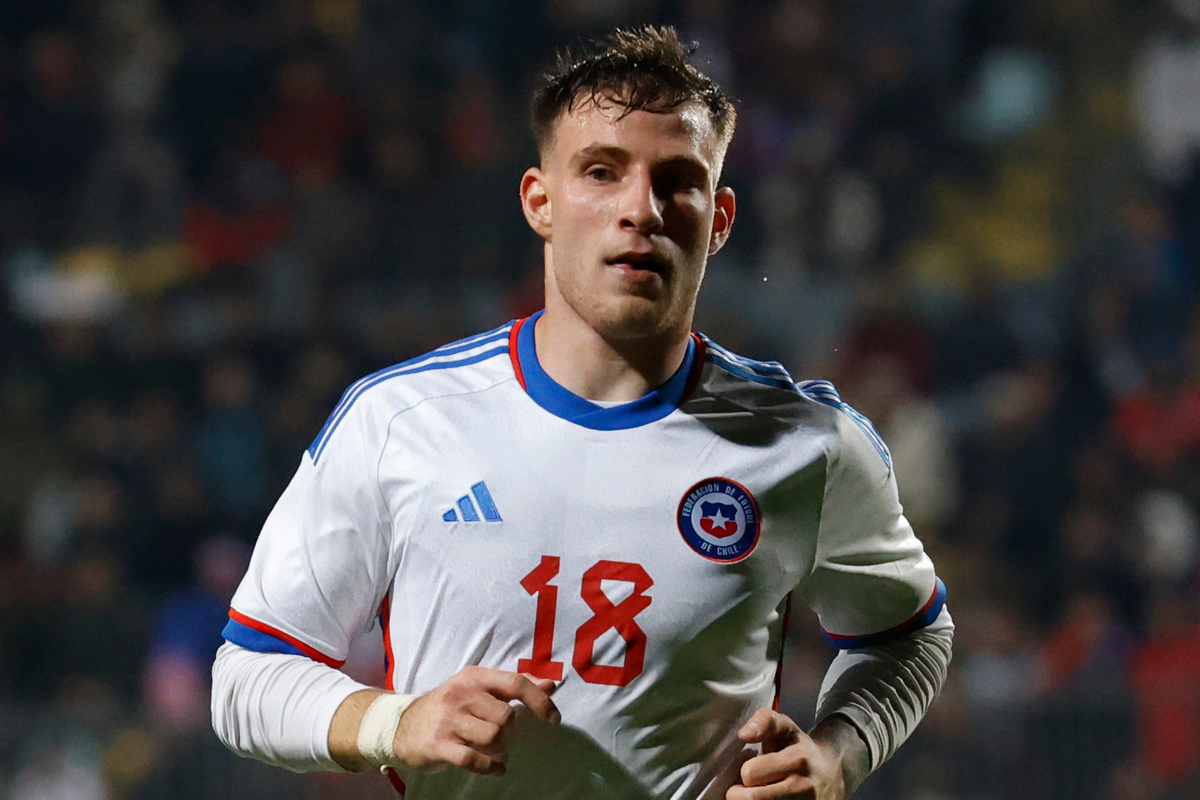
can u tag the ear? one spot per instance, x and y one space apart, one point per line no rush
535 202
725 208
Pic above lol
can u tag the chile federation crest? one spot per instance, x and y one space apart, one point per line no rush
719 520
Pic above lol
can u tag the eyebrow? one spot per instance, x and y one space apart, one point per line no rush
686 163
596 151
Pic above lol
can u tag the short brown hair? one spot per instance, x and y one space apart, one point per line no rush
644 68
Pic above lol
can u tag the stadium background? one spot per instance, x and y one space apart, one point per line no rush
981 218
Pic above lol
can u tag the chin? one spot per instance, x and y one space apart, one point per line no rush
634 318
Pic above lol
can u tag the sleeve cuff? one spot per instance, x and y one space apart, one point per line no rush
259 637
922 619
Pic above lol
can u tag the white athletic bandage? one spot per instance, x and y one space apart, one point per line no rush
377 731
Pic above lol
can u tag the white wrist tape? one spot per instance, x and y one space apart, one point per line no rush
377 732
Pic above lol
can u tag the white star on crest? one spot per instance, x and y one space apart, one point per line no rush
718 518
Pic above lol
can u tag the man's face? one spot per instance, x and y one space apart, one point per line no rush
630 211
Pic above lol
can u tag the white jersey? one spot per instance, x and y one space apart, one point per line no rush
642 554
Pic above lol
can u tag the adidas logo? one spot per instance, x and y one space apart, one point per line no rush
467 509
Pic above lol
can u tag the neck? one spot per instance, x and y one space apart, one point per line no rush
595 367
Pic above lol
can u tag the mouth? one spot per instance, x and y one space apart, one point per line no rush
636 262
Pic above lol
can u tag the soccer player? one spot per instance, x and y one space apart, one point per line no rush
582 530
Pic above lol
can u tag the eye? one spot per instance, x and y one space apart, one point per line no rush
600 173
678 181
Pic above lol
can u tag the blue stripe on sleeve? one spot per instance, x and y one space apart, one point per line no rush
257 641
923 619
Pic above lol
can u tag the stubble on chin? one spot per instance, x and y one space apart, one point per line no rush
621 312
632 317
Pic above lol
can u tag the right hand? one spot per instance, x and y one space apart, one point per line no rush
465 721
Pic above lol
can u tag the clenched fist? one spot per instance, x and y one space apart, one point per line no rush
792 764
465 721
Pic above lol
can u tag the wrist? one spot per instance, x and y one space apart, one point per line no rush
377 730
347 728
840 736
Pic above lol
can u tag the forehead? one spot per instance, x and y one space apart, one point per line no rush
686 130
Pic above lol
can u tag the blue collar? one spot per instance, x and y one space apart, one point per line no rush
569 406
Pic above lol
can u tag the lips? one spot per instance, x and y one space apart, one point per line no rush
648 261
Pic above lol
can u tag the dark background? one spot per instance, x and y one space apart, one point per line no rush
981 218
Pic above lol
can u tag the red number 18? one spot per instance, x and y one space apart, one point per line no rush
606 615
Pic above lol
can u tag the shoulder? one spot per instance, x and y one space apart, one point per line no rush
767 390
857 432
468 365
770 374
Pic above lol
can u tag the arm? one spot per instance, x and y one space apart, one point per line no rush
884 690
296 713
880 603
463 723
871 700
320 571
278 708
321 568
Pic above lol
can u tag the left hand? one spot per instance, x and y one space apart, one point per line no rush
792 764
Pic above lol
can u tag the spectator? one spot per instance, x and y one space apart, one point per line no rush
186 637
1166 681
231 439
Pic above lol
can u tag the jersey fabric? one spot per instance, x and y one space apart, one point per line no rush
643 554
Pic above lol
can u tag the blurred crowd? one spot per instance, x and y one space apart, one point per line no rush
980 218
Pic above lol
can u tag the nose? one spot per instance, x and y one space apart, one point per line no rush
641 207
